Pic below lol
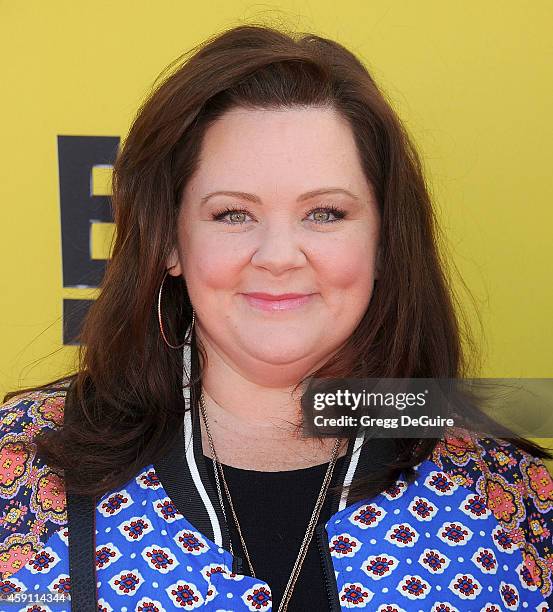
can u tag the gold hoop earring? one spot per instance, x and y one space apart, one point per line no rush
188 337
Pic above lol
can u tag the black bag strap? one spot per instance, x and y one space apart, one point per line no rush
82 552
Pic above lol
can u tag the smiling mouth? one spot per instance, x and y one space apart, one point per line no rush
278 304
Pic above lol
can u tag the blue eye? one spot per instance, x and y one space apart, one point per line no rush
333 210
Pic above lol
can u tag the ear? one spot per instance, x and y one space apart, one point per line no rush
173 263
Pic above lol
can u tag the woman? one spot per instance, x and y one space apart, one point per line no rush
273 225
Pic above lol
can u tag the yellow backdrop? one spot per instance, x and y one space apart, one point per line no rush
471 80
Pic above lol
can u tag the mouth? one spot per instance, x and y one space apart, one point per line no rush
278 303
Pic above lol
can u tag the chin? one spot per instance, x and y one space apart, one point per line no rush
281 354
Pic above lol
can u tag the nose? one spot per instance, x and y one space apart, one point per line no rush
278 248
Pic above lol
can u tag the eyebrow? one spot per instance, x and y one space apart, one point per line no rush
256 200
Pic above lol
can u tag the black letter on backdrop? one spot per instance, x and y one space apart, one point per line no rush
79 209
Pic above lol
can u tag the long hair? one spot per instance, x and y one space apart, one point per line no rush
124 406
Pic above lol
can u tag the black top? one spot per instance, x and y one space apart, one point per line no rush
273 509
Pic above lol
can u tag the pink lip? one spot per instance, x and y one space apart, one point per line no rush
284 301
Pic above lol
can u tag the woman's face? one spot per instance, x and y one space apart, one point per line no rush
280 171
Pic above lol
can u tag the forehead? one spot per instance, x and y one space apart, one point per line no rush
280 150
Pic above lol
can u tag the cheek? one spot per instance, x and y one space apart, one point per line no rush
211 262
346 264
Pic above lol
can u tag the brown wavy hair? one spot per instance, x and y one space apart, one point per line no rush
124 406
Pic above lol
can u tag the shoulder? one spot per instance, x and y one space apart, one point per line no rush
43 408
467 458
32 496
517 489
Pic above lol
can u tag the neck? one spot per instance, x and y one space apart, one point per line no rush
255 426
240 408
260 398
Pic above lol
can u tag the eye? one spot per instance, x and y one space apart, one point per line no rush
233 212
325 210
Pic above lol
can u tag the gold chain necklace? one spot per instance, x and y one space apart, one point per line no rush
312 522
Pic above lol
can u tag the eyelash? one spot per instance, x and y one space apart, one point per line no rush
337 212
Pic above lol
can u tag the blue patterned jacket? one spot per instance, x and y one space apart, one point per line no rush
472 532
